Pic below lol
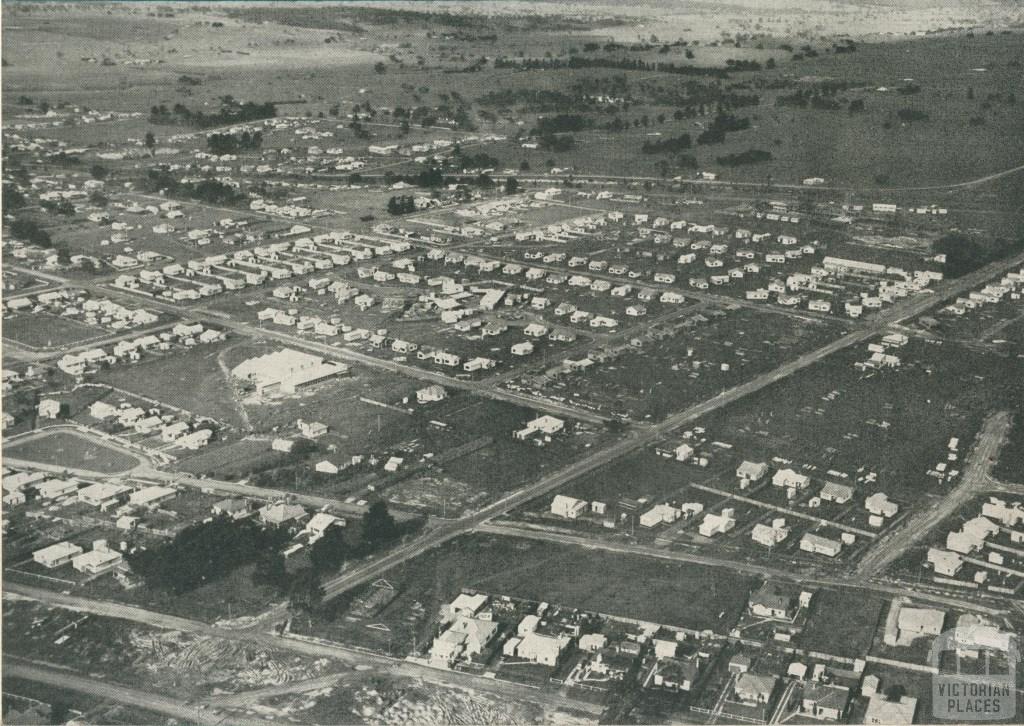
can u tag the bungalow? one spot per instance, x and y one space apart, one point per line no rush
751 472
769 601
544 649
49 408
825 701
430 394
101 559
103 495
754 689
791 479
714 524
944 562
280 513
816 544
465 638
234 508
55 488
770 536
838 493
56 554
567 507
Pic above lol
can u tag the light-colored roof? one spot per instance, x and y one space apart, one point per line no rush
58 551
103 490
472 603
883 711
279 512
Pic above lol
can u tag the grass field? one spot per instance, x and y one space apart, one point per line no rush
191 379
838 628
833 416
73 450
1010 466
678 594
44 331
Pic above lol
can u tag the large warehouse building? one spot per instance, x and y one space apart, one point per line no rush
286 370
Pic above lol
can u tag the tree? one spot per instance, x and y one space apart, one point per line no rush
379 526
270 572
150 141
99 171
895 692
511 185
306 592
379 67
330 551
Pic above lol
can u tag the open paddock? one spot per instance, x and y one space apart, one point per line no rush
71 449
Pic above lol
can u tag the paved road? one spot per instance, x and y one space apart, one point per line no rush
635 440
158 703
974 480
747 568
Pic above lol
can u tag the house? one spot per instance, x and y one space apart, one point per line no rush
714 524
754 689
56 488
770 535
49 408
658 514
319 523
750 472
465 638
99 560
522 349
838 493
281 514
683 452
465 606
944 562
882 711
880 505
592 642
546 425
103 495
173 432
234 508
817 544
790 479
739 663
824 701
56 554
769 601
311 429
567 507
151 496
675 674
545 649
326 467
430 394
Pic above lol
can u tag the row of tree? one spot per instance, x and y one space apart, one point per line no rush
231 112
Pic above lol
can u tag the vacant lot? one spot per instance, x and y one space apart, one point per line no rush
192 379
842 623
73 450
678 594
47 331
